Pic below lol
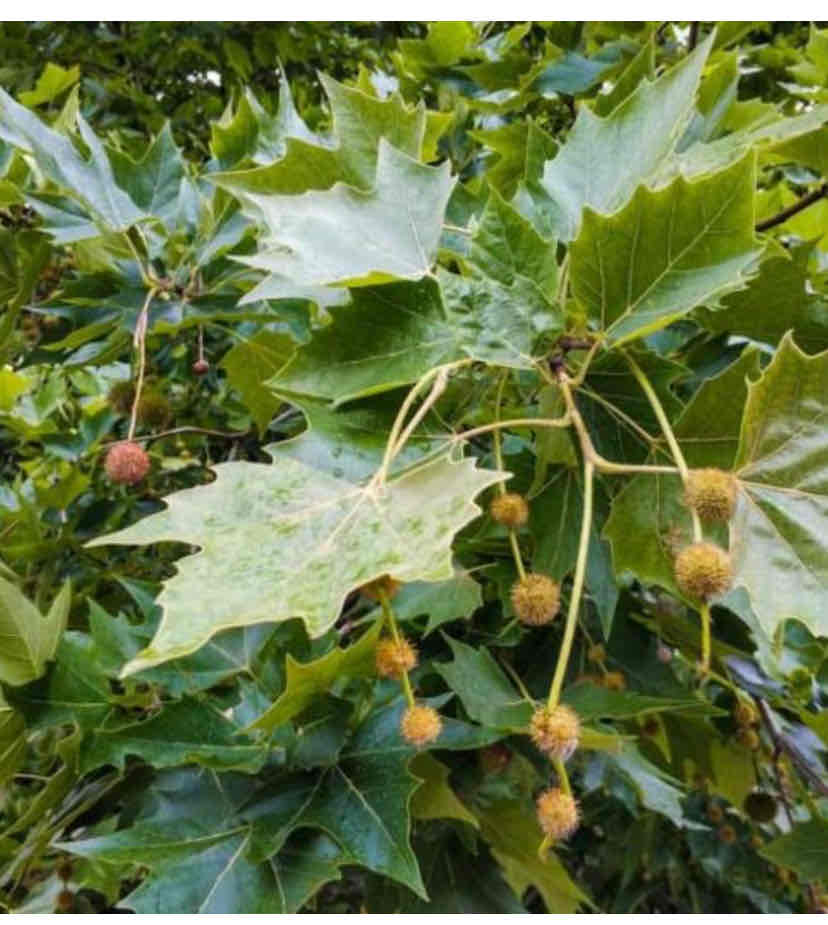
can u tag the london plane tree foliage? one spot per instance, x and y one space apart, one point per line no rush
415 467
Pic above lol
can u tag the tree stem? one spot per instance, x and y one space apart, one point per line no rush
807 200
577 589
667 430
139 341
388 614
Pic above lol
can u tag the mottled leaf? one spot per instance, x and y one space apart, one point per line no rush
285 541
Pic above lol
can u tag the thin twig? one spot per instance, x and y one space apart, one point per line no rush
807 200
229 434
139 342
693 38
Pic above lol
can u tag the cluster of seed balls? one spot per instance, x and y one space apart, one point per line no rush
536 600
395 657
703 569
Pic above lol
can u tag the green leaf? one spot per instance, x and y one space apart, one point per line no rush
387 337
287 541
229 654
29 639
251 362
591 703
349 442
74 690
508 298
442 601
12 743
154 182
641 133
305 682
52 82
90 180
666 252
434 798
778 532
486 693
458 882
648 519
364 802
803 849
349 237
641 67
185 732
780 298
512 831
553 512
656 790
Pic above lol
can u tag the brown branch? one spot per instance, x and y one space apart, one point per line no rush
807 200
229 434
694 36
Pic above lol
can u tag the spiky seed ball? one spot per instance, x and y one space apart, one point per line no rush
384 584
749 738
703 570
154 409
394 659
555 731
760 806
201 367
614 681
715 813
727 834
557 813
536 599
711 493
597 653
121 396
510 509
745 714
421 725
126 463
64 869
65 900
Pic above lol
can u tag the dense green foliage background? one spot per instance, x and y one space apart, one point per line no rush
326 213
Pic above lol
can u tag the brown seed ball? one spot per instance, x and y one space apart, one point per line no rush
536 599
555 732
494 758
65 900
394 659
749 738
727 834
64 869
126 463
715 813
421 725
201 368
121 396
664 654
557 813
614 681
703 570
651 727
510 509
597 653
385 584
154 409
711 493
745 713
760 806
